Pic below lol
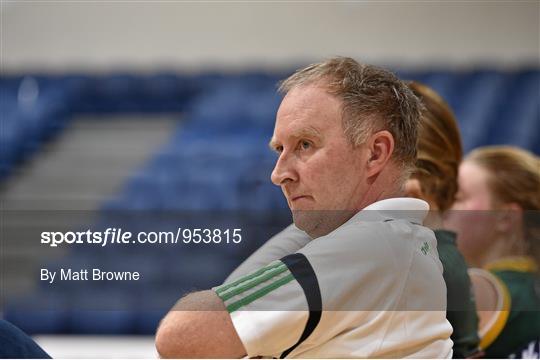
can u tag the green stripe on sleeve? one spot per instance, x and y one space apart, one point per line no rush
247 277
259 293
231 292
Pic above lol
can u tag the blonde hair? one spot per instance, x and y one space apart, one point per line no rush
514 174
373 99
514 177
439 148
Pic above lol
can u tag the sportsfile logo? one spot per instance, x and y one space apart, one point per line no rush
121 237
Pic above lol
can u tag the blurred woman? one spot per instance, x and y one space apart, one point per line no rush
435 181
496 217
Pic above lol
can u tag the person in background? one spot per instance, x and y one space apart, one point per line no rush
496 217
435 181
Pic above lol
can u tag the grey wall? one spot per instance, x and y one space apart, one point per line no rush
59 35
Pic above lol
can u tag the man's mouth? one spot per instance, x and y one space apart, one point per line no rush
299 197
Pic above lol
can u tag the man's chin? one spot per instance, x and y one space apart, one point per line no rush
305 220
320 222
312 222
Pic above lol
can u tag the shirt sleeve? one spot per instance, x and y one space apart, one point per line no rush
268 309
288 241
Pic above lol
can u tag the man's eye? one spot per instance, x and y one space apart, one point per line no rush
305 145
279 149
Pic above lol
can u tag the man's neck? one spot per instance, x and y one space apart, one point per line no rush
382 188
334 219
385 185
330 222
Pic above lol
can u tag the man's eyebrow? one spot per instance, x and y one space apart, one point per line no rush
309 132
272 144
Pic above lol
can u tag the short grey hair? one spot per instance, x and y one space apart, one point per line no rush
373 99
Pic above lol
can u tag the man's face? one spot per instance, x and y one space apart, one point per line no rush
318 169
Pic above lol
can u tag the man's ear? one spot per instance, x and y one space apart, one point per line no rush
380 147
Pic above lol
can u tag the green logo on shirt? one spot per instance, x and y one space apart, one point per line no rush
425 248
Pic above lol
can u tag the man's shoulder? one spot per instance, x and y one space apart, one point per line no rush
351 235
375 225
381 244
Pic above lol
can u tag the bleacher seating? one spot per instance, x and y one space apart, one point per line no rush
215 168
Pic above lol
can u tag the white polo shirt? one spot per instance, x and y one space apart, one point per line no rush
377 279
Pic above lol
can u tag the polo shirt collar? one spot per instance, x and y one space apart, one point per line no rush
410 209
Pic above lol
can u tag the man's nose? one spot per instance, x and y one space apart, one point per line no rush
284 170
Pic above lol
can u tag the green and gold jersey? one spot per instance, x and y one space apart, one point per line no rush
461 307
521 281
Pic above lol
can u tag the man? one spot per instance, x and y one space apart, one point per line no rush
435 181
345 136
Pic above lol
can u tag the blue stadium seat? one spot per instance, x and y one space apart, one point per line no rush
39 313
102 310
